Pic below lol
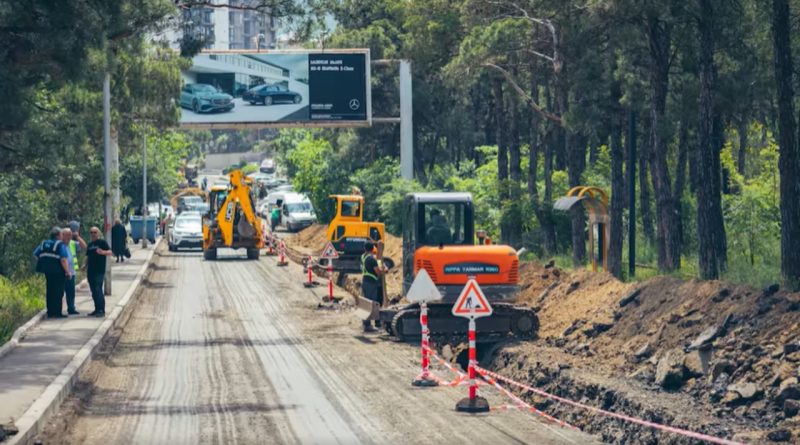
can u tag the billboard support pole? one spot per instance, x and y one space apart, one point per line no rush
406 122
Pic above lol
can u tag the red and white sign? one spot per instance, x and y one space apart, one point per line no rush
472 303
329 252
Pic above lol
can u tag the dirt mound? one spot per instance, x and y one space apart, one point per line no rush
313 239
581 295
733 350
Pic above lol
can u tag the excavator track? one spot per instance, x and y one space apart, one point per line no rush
507 321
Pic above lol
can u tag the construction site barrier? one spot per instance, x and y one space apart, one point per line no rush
330 280
694 435
493 379
309 266
424 379
282 254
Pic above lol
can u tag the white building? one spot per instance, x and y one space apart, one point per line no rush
226 28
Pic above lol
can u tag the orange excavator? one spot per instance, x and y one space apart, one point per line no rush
439 236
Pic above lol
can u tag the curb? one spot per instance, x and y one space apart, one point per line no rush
33 421
21 332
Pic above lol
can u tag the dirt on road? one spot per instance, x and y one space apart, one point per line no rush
237 351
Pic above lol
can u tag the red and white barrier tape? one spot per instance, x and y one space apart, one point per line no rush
462 380
670 429
521 404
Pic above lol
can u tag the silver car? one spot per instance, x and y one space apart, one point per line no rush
187 231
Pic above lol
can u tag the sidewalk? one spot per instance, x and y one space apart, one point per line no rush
48 347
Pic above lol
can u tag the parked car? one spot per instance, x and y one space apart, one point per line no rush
274 182
186 231
204 98
270 94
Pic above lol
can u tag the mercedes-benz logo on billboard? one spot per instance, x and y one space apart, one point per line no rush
354 104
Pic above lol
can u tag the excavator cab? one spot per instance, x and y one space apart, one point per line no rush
439 236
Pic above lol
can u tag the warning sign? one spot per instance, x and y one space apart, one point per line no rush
423 289
472 303
329 252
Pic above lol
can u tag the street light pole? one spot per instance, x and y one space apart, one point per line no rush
144 188
108 210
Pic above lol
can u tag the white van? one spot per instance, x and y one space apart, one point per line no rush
296 210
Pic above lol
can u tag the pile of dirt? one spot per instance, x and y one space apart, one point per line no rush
312 240
733 350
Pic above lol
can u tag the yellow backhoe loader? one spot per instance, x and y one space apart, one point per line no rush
231 220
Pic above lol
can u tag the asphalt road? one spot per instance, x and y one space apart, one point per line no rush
236 351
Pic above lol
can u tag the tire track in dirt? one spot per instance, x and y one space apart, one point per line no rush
235 351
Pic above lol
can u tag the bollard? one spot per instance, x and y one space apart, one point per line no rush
474 403
425 379
282 254
270 243
309 265
330 280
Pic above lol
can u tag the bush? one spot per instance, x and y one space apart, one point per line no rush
19 301
249 168
25 219
374 181
391 203
318 173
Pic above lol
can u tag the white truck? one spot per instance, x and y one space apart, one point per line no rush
296 210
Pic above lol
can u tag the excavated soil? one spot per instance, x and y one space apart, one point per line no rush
713 356
312 240
705 355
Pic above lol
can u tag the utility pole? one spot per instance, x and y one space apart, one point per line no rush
107 204
144 188
631 172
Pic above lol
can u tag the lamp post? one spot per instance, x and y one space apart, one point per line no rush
144 189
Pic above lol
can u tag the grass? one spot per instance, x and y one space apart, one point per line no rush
19 301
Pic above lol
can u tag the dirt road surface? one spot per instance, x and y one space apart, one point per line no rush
236 351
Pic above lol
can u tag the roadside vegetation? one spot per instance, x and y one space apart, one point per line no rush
19 301
514 101
519 101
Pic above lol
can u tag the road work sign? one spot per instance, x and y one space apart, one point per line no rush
472 303
423 289
329 252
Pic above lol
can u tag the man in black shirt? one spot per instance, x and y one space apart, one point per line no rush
96 253
370 285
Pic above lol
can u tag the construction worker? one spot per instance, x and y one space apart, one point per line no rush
370 281
274 217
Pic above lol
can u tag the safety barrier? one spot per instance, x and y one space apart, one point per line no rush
309 265
282 254
493 379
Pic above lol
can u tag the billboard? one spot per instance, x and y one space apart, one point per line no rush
234 89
